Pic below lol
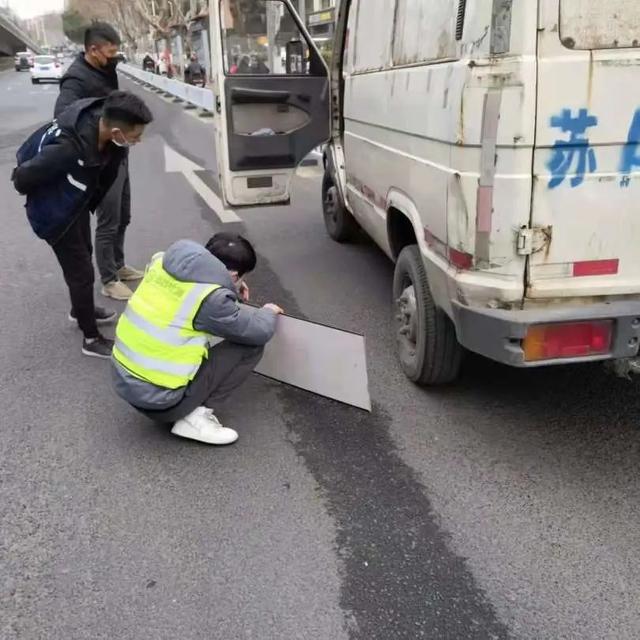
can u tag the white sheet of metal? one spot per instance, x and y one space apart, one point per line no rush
320 359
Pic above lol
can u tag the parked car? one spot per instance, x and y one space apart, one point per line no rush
46 68
490 149
23 61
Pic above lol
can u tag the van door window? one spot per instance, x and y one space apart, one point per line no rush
260 37
370 34
600 24
423 35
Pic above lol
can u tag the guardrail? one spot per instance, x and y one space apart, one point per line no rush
196 96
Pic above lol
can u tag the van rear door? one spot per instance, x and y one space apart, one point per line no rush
586 196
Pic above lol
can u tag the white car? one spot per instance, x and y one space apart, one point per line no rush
46 68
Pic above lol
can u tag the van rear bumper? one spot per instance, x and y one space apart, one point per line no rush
498 333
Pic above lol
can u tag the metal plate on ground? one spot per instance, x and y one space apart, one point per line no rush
320 359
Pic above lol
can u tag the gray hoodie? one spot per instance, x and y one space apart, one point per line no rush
220 315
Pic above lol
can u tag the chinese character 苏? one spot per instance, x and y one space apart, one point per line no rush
630 152
574 151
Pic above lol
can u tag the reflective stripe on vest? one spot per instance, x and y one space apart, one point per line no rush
155 338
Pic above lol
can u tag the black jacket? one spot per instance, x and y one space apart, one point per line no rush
84 81
63 173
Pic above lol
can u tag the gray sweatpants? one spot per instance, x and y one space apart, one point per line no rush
227 367
113 217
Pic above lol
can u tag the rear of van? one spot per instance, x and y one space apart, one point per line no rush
498 143
582 273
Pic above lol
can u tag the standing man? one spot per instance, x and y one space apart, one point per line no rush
93 75
64 169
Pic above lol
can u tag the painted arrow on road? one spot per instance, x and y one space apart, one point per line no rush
177 163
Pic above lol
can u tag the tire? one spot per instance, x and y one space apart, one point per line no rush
340 224
428 348
34 81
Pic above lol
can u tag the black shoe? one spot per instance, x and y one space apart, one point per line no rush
99 347
103 316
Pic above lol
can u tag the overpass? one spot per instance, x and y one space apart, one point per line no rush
13 38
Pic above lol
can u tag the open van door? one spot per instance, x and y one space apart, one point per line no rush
273 98
585 236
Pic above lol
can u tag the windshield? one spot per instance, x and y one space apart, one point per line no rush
44 60
600 24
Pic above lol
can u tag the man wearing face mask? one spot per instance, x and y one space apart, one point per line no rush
93 75
65 168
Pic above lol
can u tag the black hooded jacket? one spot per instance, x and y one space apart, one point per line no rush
84 81
62 171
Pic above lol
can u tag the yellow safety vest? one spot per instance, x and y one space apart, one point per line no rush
155 338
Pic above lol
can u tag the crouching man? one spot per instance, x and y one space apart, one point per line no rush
163 361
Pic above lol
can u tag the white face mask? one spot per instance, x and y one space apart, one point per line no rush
125 144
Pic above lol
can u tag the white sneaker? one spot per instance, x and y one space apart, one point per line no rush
202 425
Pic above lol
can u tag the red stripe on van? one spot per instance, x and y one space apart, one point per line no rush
595 268
458 259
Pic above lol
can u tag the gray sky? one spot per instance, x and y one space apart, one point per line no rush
30 8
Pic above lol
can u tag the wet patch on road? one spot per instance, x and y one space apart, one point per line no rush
401 580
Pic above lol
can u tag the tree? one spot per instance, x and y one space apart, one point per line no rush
74 25
134 19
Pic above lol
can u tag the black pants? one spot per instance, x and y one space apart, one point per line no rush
73 251
114 215
227 367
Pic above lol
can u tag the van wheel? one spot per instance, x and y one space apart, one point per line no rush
35 81
341 225
428 348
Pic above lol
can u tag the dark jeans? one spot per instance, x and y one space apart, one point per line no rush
227 367
114 215
73 251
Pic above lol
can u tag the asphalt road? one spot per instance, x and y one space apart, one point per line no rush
505 507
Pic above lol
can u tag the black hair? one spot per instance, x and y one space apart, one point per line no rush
234 251
99 33
125 108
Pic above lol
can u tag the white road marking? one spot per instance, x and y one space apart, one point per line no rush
177 163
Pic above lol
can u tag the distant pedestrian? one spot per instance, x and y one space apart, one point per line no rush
245 65
148 63
93 75
65 168
195 73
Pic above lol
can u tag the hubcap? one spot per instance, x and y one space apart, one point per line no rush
407 319
331 204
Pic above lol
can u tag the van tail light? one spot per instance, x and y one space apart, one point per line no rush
567 340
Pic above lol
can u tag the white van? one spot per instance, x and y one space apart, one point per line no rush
490 147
